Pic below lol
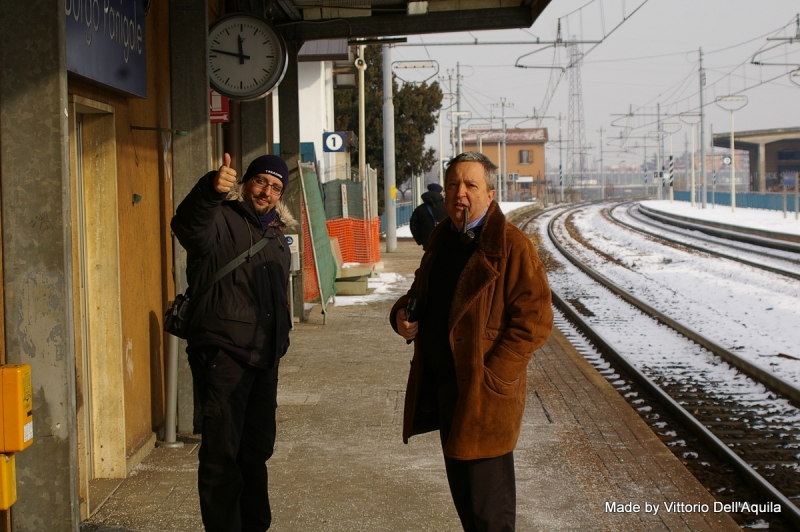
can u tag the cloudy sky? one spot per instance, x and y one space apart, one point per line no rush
649 59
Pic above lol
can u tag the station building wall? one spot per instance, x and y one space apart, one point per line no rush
67 147
144 207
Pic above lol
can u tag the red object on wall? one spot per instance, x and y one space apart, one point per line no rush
220 107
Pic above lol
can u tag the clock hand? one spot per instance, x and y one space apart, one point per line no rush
241 51
231 53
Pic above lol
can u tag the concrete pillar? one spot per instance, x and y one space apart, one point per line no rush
255 135
762 167
37 269
191 154
289 120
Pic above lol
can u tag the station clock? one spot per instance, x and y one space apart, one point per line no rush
246 56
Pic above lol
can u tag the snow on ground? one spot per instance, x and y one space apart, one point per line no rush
651 346
751 218
383 286
745 309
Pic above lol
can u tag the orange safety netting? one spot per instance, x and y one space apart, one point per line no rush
310 284
359 240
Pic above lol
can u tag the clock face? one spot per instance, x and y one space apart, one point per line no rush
246 57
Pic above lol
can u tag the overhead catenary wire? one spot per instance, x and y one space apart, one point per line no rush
727 76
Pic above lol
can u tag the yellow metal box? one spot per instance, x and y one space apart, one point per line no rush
8 481
17 408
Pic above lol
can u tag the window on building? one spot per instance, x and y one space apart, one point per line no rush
525 157
789 155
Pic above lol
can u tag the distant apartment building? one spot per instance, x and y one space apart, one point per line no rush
524 161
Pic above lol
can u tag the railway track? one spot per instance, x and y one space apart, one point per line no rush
744 414
763 255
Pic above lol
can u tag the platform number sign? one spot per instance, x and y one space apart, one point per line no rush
333 141
726 160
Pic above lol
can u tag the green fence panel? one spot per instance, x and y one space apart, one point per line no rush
323 254
332 192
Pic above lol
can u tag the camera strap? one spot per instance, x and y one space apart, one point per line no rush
232 265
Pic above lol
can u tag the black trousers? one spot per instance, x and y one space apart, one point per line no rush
238 404
484 491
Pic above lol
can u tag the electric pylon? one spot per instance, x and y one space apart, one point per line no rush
576 127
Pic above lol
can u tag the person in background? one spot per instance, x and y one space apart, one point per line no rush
238 331
478 308
426 216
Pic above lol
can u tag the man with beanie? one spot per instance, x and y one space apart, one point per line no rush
238 331
426 216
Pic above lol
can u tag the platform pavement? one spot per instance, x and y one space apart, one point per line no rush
340 464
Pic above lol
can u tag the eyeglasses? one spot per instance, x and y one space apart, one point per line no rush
261 183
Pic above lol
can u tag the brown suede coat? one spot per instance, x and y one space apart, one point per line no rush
499 316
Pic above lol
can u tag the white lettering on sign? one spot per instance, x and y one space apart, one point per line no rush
120 29
334 142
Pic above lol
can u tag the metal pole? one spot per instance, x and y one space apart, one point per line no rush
171 414
671 163
646 187
713 166
560 160
784 200
658 165
453 144
702 132
503 154
602 173
692 195
361 64
441 150
415 199
390 194
733 171
660 143
458 107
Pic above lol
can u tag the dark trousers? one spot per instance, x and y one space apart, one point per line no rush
484 491
238 404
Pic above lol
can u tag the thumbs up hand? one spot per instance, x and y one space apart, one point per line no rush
226 176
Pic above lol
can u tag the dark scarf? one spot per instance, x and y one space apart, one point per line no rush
271 218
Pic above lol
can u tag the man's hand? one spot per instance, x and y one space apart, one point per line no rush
406 329
226 177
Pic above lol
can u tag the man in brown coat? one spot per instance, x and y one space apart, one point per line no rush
481 307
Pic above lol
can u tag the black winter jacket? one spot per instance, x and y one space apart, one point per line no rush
248 308
421 222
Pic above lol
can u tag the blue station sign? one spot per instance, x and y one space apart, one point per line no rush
333 142
106 43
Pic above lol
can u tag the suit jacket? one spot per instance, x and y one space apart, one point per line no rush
499 316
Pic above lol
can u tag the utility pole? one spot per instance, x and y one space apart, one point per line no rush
452 124
560 160
602 173
361 64
713 170
441 149
576 127
503 153
703 130
660 151
389 191
458 106
646 187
